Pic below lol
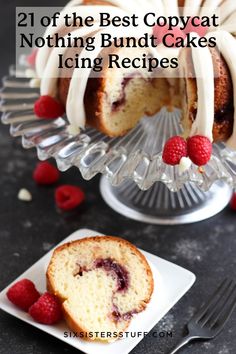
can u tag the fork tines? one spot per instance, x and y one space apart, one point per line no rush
216 312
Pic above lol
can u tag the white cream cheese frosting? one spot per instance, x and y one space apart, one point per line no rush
192 7
204 71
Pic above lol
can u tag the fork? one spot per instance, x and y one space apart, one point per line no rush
208 322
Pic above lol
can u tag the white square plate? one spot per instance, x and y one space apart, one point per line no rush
171 282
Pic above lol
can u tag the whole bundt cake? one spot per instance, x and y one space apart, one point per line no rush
115 101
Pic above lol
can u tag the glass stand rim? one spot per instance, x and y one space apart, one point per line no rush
215 200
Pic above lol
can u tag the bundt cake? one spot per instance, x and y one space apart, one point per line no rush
115 102
101 282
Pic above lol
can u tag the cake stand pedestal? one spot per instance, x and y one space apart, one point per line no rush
136 182
160 206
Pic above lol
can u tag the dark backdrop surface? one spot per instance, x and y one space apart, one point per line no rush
28 231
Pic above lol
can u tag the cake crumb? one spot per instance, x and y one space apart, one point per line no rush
207 345
224 350
184 165
190 250
16 254
47 246
27 224
201 170
167 323
35 83
24 195
30 73
73 130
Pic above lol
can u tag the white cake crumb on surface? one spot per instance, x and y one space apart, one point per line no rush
24 195
47 246
167 323
191 250
224 350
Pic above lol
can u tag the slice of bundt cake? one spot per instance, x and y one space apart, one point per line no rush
102 282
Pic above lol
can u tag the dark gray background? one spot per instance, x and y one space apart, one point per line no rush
27 231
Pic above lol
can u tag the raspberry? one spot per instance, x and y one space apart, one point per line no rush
69 197
48 107
174 149
45 173
23 294
200 30
199 149
46 310
31 58
161 31
233 202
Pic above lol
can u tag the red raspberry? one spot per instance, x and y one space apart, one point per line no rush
170 40
69 197
46 173
48 107
46 310
199 149
31 58
23 294
174 149
233 202
200 30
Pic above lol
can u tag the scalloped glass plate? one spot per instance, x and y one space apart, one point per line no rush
136 156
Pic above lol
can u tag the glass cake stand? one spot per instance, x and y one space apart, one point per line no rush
135 181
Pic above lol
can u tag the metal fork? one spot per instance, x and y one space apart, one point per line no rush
208 322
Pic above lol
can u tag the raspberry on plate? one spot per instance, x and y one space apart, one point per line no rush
174 149
48 107
46 310
23 294
199 150
45 173
68 197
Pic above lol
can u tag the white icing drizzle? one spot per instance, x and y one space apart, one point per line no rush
226 9
204 71
209 7
73 3
127 6
192 7
171 7
43 53
229 25
227 46
52 72
155 5
140 5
